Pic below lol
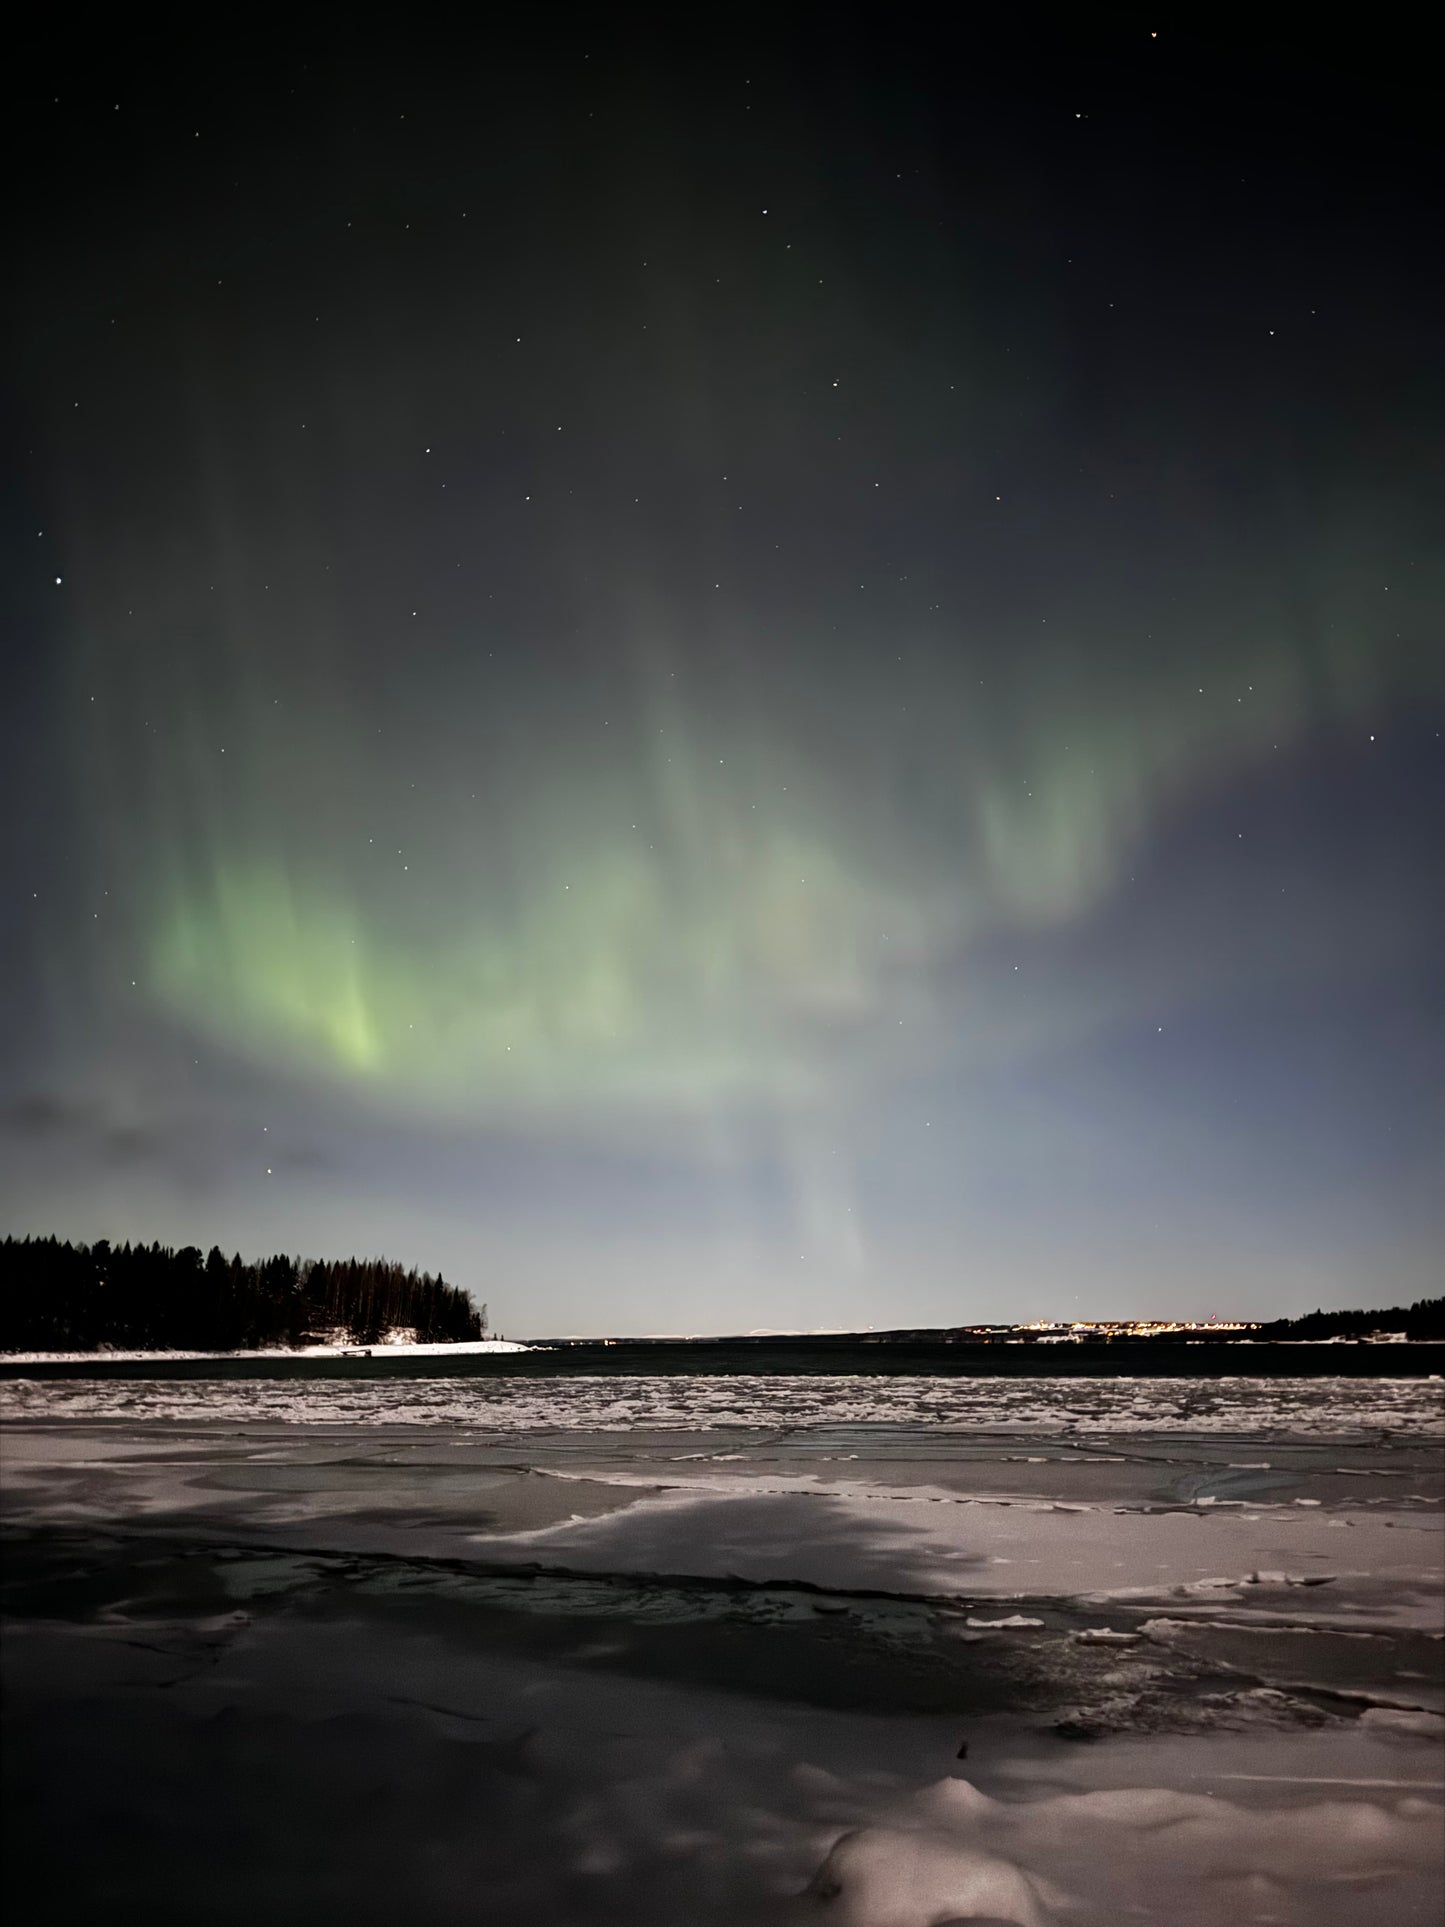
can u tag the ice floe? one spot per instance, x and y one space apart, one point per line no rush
1306 1408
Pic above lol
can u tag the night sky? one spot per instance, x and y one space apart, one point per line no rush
783 675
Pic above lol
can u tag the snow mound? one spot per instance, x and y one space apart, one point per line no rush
950 1853
885 1877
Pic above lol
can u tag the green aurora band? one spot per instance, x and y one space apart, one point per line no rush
698 910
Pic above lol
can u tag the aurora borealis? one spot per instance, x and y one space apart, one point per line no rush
716 685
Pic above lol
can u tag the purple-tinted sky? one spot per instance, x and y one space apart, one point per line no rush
729 679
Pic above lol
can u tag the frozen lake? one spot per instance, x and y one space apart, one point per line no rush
1307 1407
876 1652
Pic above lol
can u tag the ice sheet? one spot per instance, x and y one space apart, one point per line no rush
461 1671
852 1539
1314 1407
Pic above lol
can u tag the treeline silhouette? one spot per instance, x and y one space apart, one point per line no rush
1424 1319
75 1297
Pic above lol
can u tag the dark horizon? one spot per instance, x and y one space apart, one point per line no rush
158 1300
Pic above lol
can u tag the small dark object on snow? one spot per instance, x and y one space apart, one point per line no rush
962 1753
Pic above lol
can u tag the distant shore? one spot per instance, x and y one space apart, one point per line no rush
129 1355
845 1354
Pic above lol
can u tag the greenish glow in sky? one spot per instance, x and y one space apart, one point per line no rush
645 921
720 959
568 722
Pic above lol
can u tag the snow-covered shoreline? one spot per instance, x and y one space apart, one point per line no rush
383 1348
